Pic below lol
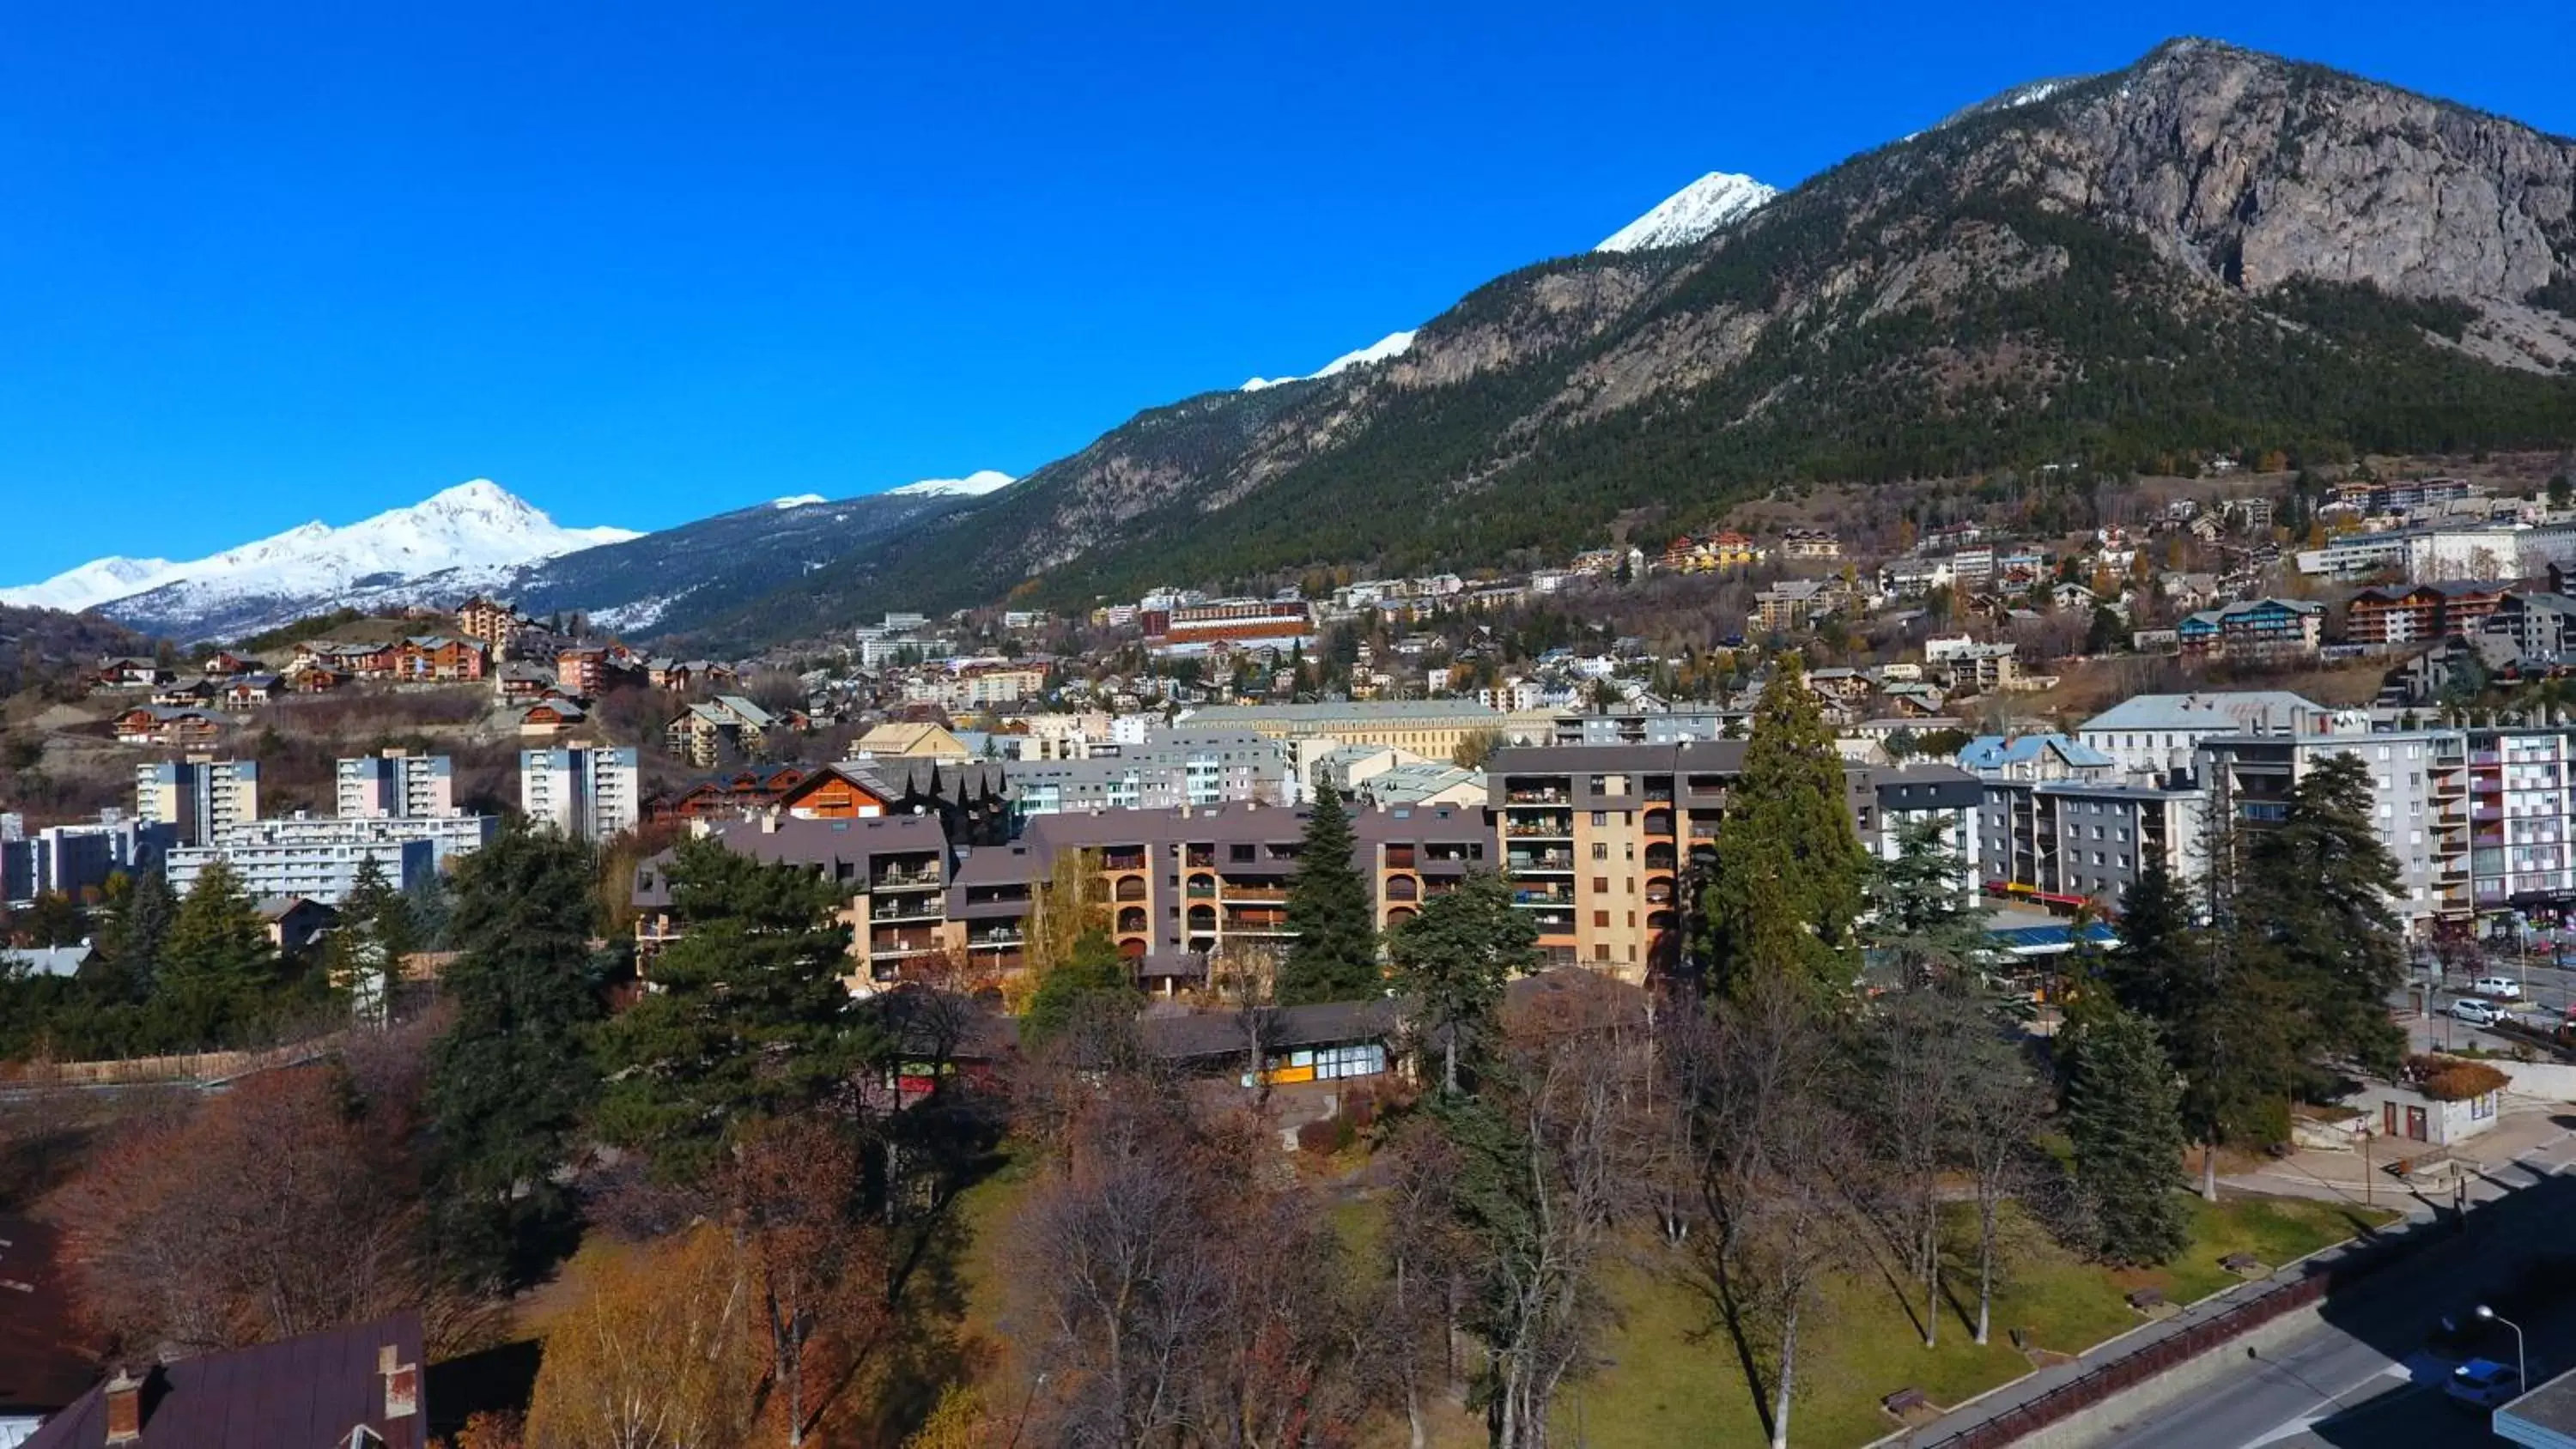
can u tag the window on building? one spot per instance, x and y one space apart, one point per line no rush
1601 920
1601 850
1601 885
1600 819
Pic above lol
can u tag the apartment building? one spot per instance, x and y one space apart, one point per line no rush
395 785
588 792
892 872
2541 627
1632 726
2420 800
2520 816
1887 800
196 796
2253 629
318 860
1184 885
706 729
73 859
1597 842
2420 613
1170 768
2154 738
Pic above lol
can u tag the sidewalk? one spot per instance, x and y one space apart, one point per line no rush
2510 1164
2528 1136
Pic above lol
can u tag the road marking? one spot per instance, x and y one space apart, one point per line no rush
2292 1428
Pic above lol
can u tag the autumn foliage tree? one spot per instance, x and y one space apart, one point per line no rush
277 1208
659 1350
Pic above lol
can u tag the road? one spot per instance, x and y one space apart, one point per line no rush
2370 1376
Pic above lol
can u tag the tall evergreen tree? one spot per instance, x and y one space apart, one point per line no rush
2320 889
511 1076
140 911
2126 1127
368 945
1786 890
2222 1006
1334 957
1454 957
216 963
748 1016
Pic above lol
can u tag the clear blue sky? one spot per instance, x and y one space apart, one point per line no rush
639 262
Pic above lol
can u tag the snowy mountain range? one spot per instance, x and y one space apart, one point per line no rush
475 529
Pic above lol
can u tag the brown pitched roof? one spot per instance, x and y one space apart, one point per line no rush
303 1393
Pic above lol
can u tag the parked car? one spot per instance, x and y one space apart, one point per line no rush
2504 987
2483 1383
2476 1012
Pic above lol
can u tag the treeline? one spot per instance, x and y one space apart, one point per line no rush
169 973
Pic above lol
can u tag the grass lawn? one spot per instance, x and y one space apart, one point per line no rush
1671 1380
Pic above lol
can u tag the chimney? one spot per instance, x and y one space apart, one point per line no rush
402 1383
124 1408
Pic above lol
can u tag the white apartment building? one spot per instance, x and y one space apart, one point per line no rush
589 793
396 785
198 796
319 866
2153 737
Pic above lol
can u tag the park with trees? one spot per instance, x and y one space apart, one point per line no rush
1828 1161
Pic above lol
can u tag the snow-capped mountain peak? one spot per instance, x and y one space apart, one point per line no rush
475 529
1715 200
973 485
1394 344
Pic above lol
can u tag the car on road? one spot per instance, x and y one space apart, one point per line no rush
2482 1383
2476 1011
2504 987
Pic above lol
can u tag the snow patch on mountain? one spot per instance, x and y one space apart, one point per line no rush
1718 199
973 485
2029 93
1394 344
801 500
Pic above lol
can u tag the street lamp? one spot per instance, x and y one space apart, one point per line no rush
2521 1367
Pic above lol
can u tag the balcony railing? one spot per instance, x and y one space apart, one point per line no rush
1561 831
907 880
910 908
1235 893
1541 863
1538 797
995 939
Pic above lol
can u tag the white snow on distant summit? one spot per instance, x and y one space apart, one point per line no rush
973 485
801 500
1394 344
476 525
1686 216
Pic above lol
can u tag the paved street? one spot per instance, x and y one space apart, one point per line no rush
2369 1377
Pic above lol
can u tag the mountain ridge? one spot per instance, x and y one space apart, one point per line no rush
2209 249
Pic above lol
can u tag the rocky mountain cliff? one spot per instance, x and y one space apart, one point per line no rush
2211 249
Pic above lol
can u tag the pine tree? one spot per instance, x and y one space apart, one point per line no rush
1453 959
2318 889
368 946
216 964
2127 1131
748 1017
1787 885
1921 927
510 1077
1334 957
